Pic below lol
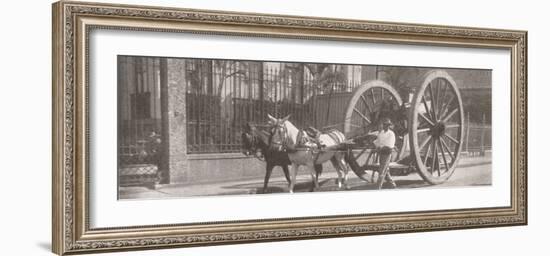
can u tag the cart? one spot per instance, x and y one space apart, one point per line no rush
428 126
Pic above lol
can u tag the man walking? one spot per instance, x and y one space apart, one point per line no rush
385 142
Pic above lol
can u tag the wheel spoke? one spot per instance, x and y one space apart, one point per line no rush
424 143
369 157
446 104
361 114
422 130
451 138
438 165
426 119
443 96
450 126
427 154
434 156
450 115
373 98
426 107
432 101
365 102
443 154
448 150
382 94
361 153
436 98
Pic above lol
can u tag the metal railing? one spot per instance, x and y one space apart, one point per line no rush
223 96
478 137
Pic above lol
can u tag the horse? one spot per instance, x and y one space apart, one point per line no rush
284 137
255 142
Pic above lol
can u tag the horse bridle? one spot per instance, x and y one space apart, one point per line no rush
254 147
284 140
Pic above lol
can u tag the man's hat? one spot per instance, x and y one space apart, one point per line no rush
386 121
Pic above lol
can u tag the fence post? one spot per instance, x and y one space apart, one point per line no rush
482 147
467 132
261 88
164 115
314 86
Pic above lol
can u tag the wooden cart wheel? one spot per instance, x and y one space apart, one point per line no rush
436 127
369 104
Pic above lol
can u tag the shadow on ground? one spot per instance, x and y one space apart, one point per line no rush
325 185
282 187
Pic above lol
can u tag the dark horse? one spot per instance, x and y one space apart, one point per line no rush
256 143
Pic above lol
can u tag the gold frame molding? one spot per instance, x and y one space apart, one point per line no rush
72 22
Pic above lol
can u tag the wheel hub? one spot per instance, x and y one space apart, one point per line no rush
438 130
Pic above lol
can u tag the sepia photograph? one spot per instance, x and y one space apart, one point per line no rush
176 126
212 127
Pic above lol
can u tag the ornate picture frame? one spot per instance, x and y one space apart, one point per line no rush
73 22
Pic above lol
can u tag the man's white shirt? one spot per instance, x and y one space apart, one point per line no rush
385 139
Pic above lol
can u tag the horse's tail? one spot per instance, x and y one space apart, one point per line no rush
352 162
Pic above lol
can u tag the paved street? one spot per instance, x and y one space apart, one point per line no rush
472 171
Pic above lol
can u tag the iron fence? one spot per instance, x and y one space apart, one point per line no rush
222 96
478 138
139 120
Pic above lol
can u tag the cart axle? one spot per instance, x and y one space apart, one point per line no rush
438 130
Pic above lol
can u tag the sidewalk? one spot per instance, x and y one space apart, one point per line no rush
327 182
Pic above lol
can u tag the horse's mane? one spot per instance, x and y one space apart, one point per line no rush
292 130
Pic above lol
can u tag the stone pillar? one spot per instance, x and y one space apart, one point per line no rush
173 91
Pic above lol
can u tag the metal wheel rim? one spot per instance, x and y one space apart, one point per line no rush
418 103
357 97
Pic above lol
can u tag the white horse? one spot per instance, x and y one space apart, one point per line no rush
284 137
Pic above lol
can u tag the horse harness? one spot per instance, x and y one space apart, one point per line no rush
312 136
254 142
